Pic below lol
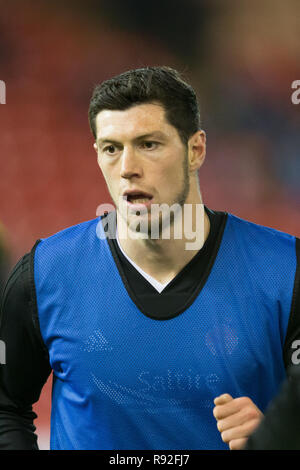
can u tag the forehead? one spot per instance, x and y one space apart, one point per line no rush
140 119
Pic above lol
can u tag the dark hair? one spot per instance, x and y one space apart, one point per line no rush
145 85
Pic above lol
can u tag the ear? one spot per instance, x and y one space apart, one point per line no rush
95 147
197 150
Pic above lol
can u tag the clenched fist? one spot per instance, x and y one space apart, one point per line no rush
237 418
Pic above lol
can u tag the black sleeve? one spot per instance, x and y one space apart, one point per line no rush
25 367
280 428
292 340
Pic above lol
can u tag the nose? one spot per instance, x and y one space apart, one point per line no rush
131 164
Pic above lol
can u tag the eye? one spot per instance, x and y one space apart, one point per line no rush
110 149
150 145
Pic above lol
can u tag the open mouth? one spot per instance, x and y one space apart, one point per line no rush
138 198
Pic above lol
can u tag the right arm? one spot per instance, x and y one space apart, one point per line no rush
27 366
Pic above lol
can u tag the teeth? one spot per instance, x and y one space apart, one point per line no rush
140 200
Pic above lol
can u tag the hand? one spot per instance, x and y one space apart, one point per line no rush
236 418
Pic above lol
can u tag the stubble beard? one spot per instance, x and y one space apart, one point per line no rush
179 200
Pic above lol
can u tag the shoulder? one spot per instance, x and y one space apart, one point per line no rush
72 232
66 252
261 236
68 239
269 254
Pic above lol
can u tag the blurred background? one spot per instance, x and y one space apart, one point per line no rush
240 56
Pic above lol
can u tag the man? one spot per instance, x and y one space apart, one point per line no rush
142 333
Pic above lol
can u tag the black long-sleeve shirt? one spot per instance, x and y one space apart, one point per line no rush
280 427
27 361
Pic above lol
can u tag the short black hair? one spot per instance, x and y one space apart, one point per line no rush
146 85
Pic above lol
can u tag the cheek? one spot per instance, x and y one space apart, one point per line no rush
105 174
171 176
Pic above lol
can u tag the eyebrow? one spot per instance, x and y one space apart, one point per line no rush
155 134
